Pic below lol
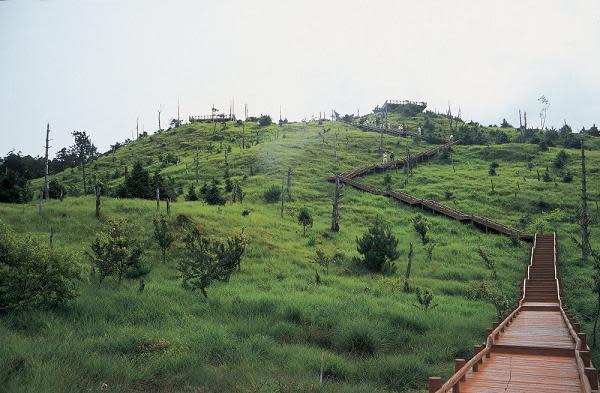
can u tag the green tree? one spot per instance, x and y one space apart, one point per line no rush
84 151
322 259
265 120
191 195
115 250
305 219
163 234
387 182
421 225
209 261
561 159
212 195
33 274
425 299
378 246
56 189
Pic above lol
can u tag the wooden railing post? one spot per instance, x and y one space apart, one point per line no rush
476 364
592 376
585 357
458 364
434 384
583 339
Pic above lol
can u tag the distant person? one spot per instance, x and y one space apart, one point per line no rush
385 157
420 131
451 137
392 156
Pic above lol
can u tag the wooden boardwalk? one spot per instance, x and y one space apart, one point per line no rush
536 348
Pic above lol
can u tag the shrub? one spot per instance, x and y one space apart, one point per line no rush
387 182
191 195
492 170
321 259
209 260
378 246
163 234
272 194
561 159
421 225
546 177
567 178
56 189
425 299
212 195
304 219
358 340
33 274
14 188
265 120
114 250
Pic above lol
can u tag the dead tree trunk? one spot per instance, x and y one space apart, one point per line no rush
289 184
408 268
244 134
380 142
83 172
335 146
197 163
157 198
335 217
169 206
525 120
584 219
97 191
281 210
46 185
41 201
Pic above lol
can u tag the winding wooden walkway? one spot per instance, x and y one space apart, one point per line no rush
536 348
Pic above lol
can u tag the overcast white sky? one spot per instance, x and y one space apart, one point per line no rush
96 66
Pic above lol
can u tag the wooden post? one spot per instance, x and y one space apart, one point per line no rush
592 376
169 205
583 338
434 384
46 185
585 357
458 364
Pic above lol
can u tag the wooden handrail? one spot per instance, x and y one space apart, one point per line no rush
578 344
491 339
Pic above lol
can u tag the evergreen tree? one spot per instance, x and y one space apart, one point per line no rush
378 246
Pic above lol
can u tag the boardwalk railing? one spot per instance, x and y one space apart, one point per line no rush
437 208
393 164
587 373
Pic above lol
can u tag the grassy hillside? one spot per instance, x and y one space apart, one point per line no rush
519 199
263 331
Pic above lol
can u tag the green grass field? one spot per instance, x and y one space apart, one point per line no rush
264 331
520 200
